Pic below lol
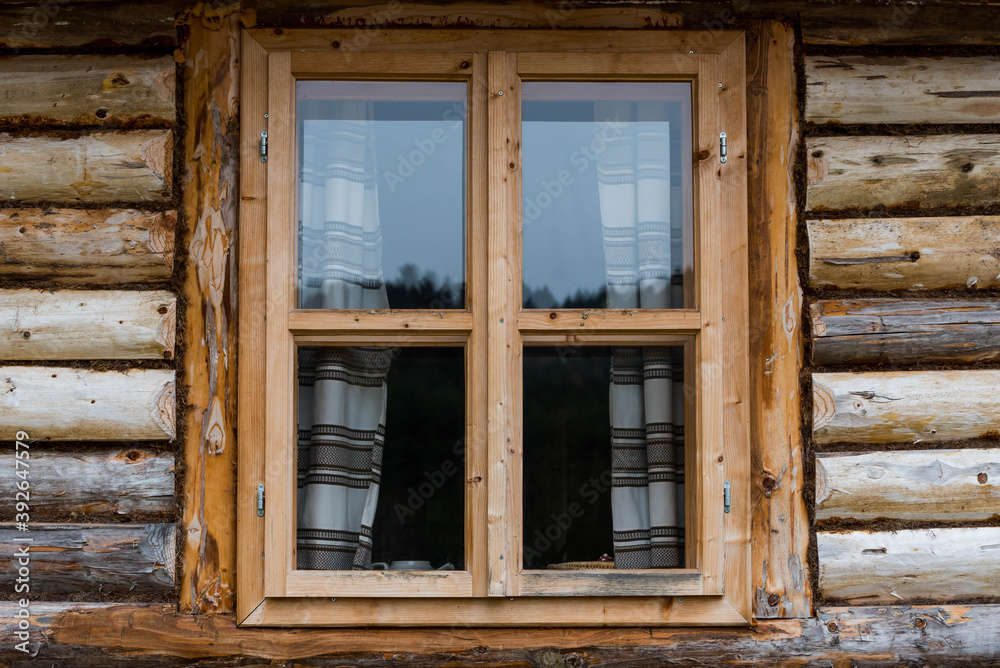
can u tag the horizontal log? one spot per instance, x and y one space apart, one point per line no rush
893 331
60 404
941 485
854 89
76 246
905 406
92 635
905 253
892 567
897 24
87 324
125 166
109 480
910 172
30 24
87 90
95 558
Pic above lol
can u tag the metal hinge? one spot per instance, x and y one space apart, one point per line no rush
722 155
260 500
263 146
727 497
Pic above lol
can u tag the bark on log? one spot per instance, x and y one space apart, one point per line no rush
905 406
905 253
854 89
892 331
892 567
90 635
116 480
87 90
62 404
94 558
30 24
942 485
127 166
74 246
909 172
87 324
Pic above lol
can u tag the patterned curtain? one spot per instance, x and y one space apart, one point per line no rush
643 258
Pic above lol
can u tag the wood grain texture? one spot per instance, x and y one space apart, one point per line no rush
854 89
892 567
905 253
210 203
895 331
908 172
118 480
95 24
125 166
941 485
87 90
94 558
914 24
77 246
87 324
67 404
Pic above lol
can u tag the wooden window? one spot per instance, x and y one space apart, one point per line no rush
494 323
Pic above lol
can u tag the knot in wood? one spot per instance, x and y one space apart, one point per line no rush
832 626
920 623
773 600
982 478
768 484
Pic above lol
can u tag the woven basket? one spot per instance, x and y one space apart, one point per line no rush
581 565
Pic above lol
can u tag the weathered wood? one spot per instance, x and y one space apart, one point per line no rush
125 166
87 246
94 558
892 331
908 172
890 567
210 201
854 89
942 485
115 480
91 635
905 406
918 24
60 404
87 324
905 253
779 524
86 90
67 23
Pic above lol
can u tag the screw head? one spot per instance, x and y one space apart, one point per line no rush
499 92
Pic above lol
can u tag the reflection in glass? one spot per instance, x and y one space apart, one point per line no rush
604 457
607 208
381 194
381 458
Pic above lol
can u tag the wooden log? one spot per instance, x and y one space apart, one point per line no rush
905 253
107 25
93 635
94 558
75 246
109 480
87 90
941 485
893 331
906 172
61 404
779 523
905 406
892 567
854 89
87 324
127 166
898 24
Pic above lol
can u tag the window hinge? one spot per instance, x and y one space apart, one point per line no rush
726 496
260 500
722 155
263 146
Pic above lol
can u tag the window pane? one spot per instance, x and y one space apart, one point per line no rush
607 209
604 457
381 458
381 194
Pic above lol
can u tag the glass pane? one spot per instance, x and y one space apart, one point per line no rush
604 457
381 194
607 209
381 458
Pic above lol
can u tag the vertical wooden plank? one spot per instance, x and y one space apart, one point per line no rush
210 209
780 524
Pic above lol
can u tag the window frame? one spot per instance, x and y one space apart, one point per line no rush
493 328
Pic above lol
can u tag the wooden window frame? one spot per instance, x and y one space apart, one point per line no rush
715 588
